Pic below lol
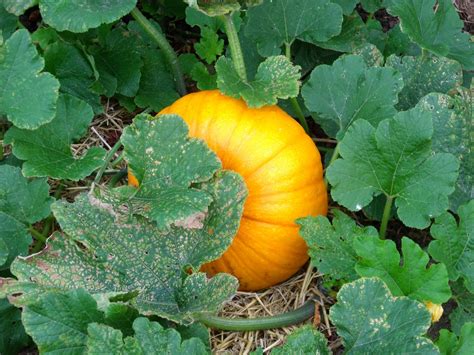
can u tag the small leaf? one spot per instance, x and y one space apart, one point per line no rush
395 160
12 334
413 279
22 80
166 163
368 317
454 244
204 80
330 246
452 121
348 91
210 46
435 25
304 340
276 78
280 22
47 150
446 342
121 316
58 321
79 16
450 344
424 75
18 7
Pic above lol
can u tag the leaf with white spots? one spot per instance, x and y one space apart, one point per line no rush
107 249
330 246
304 340
166 164
220 7
410 278
368 317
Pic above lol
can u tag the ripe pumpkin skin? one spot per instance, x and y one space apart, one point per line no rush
282 169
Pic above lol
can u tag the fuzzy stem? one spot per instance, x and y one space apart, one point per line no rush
164 45
234 44
107 160
244 325
385 217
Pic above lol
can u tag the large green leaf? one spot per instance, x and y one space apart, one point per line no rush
47 150
22 81
410 278
330 246
18 7
464 312
348 91
12 334
8 24
346 5
280 22
353 34
369 318
452 123
454 244
22 202
166 163
304 340
395 160
424 75
450 344
150 338
435 25
80 15
276 78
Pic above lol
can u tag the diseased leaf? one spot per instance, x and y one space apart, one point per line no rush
74 72
371 54
280 22
454 244
80 15
304 340
435 26
424 75
166 163
22 80
18 7
368 317
12 334
57 322
210 46
395 160
452 123
276 78
47 150
330 246
410 278
221 7
348 91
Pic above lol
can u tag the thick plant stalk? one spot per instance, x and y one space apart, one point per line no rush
164 45
244 325
385 217
235 49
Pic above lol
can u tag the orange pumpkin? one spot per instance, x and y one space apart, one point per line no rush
282 169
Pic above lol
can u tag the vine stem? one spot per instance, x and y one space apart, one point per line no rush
244 325
334 156
385 217
107 160
235 48
164 45
293 100
38 236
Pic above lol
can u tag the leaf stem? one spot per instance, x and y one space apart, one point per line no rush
107 160
235 48
38 236
293 100
244 325
164 45
385 217
335 155
117 177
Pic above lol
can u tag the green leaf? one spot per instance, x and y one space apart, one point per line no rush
57 322
18 7
204 79
395 160
371 54
121 316
465 306
450 344
346 5
220 7
118 63
166 163
410 278
74 72
12 334
304 340
280 22
195 17
446 342
123 253
8 24
435 25
22 80
80 15
276 78
424 75
372 5
22 202
348 91
454 244
452 121
368 317
47 150
330 246
210 46
466 340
